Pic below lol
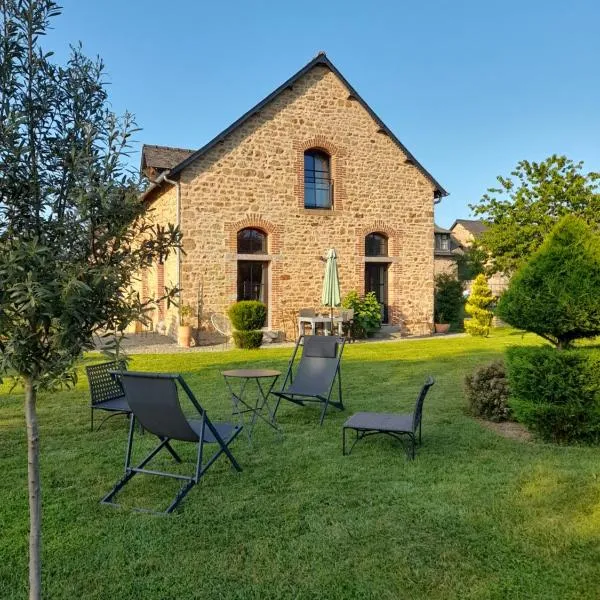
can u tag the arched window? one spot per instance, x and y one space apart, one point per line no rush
251 241
317 179
376 244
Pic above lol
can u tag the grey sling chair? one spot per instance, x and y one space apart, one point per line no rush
106 392
316 373
154 401
396 426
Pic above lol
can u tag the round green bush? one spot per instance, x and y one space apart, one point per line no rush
247 339
247 315
487 392
556 393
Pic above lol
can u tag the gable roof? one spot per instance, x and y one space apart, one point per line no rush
162 157
320 59
438 229
474 226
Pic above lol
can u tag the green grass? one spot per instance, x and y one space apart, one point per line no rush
474 516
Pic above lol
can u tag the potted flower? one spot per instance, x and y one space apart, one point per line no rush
184 333
440 323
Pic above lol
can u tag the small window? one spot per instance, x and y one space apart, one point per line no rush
317 180
251 241
442 241
376 244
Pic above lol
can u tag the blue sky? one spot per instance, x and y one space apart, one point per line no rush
470 87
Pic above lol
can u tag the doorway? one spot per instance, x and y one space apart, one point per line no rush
376 280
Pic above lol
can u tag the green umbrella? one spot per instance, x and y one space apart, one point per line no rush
331 284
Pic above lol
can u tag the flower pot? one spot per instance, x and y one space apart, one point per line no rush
184 336
442 327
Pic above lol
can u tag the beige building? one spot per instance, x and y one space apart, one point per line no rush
310 167
445 251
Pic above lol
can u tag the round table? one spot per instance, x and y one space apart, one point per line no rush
240 403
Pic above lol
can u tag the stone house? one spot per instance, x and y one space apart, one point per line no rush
445 251
308 168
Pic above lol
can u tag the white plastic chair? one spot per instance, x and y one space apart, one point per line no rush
223 326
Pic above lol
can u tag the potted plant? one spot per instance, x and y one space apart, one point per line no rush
184 333
440 323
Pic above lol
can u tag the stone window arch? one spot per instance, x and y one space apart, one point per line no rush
376 244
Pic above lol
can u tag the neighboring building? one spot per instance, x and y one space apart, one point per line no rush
311 167
465 231
446 250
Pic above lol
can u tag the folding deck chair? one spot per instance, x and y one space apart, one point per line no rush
396 426
106 392
315 374
154 401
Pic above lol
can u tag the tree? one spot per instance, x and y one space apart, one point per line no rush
448 301
472 262
478 308
528 203
557 293
72 230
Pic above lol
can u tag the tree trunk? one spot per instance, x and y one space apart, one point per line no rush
35 499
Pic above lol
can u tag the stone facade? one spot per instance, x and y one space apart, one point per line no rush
254 177
446 265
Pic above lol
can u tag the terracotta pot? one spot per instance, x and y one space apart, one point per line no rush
184 336
442 327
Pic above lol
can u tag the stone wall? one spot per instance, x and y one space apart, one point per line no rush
445 264
254 178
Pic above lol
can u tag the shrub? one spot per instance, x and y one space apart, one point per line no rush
248 339
478 308
556 393
448 299
487 392
367 313
247 315
556 294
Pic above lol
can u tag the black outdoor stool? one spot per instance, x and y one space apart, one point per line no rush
315 375
154 402
397 426
106 392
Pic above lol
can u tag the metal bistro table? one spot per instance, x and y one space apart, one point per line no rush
241 405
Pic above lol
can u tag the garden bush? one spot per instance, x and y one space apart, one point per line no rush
487 392
247 315
448 300
247 318
248 339
478 308
556 393
367 313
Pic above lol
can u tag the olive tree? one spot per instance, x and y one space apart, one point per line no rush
73 232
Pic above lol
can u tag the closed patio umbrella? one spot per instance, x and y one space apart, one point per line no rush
331 284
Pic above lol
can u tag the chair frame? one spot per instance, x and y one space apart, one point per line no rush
99 394
399 434
302 399
189 480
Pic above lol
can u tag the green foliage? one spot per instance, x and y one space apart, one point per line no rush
70 217
556 393
247 339
367 313
448 299
185 311
247 315
478 308
487 392
528 203
472 262
557 293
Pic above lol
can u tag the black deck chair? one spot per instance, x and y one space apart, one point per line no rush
154 401
371 423
316 373
106 392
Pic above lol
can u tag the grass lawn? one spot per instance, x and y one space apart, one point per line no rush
474 516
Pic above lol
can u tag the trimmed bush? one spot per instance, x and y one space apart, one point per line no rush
448 300
478 308
248 339
247 315
556 393
556 294
487 392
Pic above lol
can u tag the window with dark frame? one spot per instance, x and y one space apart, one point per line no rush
317 180
251 241
442 241
376 244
